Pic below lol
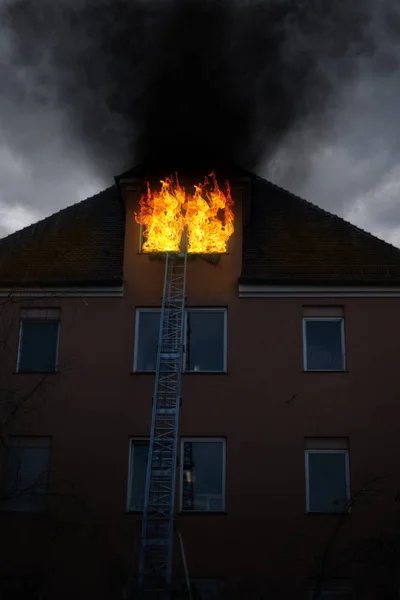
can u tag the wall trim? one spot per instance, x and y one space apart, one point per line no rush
317 291
64 292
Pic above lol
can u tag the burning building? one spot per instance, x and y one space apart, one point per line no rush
288 378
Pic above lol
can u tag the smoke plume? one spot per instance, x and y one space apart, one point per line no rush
119 82
138 80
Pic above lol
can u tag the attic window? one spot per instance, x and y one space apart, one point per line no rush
38 340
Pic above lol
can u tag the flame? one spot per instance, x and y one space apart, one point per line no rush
162 217
207 213
207 232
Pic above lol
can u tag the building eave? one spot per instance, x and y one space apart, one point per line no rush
303 290
62 291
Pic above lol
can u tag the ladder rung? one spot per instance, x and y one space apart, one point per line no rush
163 471
155 542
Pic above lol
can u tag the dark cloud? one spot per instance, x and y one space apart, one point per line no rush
302 90
144 79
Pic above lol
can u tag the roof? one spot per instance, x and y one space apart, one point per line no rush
289 240
80 245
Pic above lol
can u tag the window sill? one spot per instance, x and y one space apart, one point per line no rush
327 514
184 373
185 512
201 513
324 371
175 254
27 513
35 372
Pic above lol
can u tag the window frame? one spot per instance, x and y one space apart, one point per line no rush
340 593
184 357
25 442
202 440
37 320
224 341
136 341
219 583
132 440
342 339
344 451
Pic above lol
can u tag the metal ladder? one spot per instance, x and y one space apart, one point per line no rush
155 556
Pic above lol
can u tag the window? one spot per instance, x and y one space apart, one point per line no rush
335 590
323 338
38 340
334 595
203 474
207 589
139 450
27 474
205 340
146 339
327 475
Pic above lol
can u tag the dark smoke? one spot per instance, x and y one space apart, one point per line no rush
196 80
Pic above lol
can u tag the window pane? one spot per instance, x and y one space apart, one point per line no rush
205 341
28 470
324 345
140 452
38 346
207 589
149 325
339 595
327 482
202 485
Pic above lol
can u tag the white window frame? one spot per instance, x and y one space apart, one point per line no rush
24 320
184 370
132 440
202 440
343 349
309 451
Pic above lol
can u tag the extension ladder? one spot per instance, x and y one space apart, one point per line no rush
155 555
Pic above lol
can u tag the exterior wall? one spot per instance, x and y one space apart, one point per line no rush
265 405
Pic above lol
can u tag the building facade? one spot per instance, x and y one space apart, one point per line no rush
289 449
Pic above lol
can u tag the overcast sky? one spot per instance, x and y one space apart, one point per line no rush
347 162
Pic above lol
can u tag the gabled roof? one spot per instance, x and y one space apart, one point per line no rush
80 245
286 240
289 240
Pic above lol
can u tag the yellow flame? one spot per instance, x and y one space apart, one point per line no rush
162 217
207 213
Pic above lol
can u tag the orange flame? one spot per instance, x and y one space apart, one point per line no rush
207 213
162 217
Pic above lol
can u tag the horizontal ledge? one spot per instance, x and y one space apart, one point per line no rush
63 292
201 513
327 514
317 291
324 371
183 373
36 372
